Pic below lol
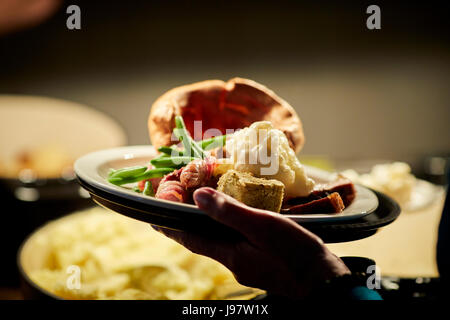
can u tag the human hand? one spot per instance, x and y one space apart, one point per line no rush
18 14
275 253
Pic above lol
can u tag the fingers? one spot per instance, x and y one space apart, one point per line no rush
230 212
261 227
250 266
222 251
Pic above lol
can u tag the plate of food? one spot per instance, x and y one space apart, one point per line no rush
249 152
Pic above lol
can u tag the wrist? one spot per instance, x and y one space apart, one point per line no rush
325 267
331 266
349 285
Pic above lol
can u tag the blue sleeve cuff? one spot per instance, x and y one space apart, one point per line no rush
363 293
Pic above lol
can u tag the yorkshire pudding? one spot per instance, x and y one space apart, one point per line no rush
223 105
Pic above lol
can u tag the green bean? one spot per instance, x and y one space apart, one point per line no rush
136 189
170 151
161 156
128 172
188 143
197 149
111 172
190 146
169 159
149 174
180 134
148 189
212 143
179 122
172 162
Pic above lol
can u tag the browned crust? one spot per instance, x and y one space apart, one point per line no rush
237 90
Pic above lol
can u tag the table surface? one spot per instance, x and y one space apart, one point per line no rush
405 248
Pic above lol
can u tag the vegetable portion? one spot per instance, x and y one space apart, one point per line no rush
190 146
171 162
127 172
171 151
170 159
149 174
211 143
148 189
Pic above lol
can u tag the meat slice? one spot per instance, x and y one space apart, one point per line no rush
330 204
170 188
199 173
343 186
179 185
173 176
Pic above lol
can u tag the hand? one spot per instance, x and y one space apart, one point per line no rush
274 254
19 14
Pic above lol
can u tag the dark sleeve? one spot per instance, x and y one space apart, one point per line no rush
345 288
443 245
363 293
351 287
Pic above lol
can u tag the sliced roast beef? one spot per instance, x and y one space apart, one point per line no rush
330 204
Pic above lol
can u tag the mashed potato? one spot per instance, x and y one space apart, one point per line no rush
120 258
46 161
265 152
394 179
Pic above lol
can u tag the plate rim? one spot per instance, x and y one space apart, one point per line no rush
331 232
94 160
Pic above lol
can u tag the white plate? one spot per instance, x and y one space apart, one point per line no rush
93 169
29 122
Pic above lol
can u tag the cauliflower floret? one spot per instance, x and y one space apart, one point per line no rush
264 152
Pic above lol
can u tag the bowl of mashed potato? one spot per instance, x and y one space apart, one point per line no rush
41 138
100 255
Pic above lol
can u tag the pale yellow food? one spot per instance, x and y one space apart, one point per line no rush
46 161
394 179
121 258
255 192
264 152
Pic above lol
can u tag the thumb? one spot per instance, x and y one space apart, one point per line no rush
261 227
